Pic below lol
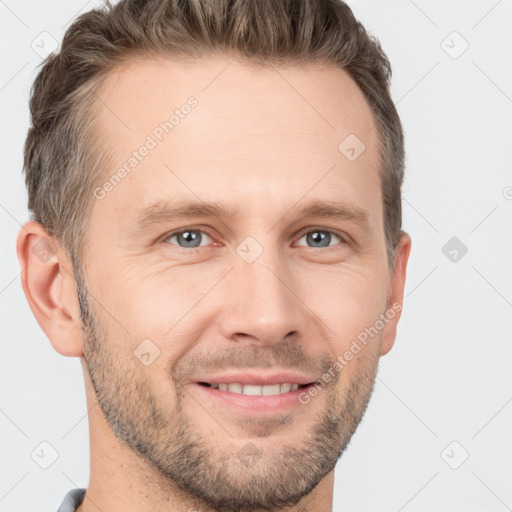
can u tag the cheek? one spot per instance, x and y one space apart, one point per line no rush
169 308
348 300
151 300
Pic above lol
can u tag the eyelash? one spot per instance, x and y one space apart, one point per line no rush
342 238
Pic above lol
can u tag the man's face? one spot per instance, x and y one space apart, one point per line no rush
265 295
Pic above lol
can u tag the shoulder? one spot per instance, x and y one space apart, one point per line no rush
72 500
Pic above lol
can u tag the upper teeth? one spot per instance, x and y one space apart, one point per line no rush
252 389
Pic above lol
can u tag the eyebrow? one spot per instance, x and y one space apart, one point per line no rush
167 211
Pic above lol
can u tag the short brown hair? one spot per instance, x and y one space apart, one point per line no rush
63 160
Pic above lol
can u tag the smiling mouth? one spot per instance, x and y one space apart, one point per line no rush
255 389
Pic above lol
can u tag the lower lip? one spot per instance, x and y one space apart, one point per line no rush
257 404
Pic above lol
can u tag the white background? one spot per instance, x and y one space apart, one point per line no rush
449 376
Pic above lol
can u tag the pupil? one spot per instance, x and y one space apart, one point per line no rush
320 237
190 238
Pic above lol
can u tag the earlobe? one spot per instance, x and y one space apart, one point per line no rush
45 279
396 292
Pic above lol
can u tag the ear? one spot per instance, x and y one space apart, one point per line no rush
50 288
396 293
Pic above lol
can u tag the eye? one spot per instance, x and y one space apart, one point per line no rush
321 238
188 238
195 238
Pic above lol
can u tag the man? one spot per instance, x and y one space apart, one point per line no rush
216 233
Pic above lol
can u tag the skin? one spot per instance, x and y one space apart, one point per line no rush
256 144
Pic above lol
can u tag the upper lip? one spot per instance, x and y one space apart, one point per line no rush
259 378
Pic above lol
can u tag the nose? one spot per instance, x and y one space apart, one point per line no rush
262 306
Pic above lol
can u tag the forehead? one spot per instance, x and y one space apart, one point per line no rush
270 98
220 129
